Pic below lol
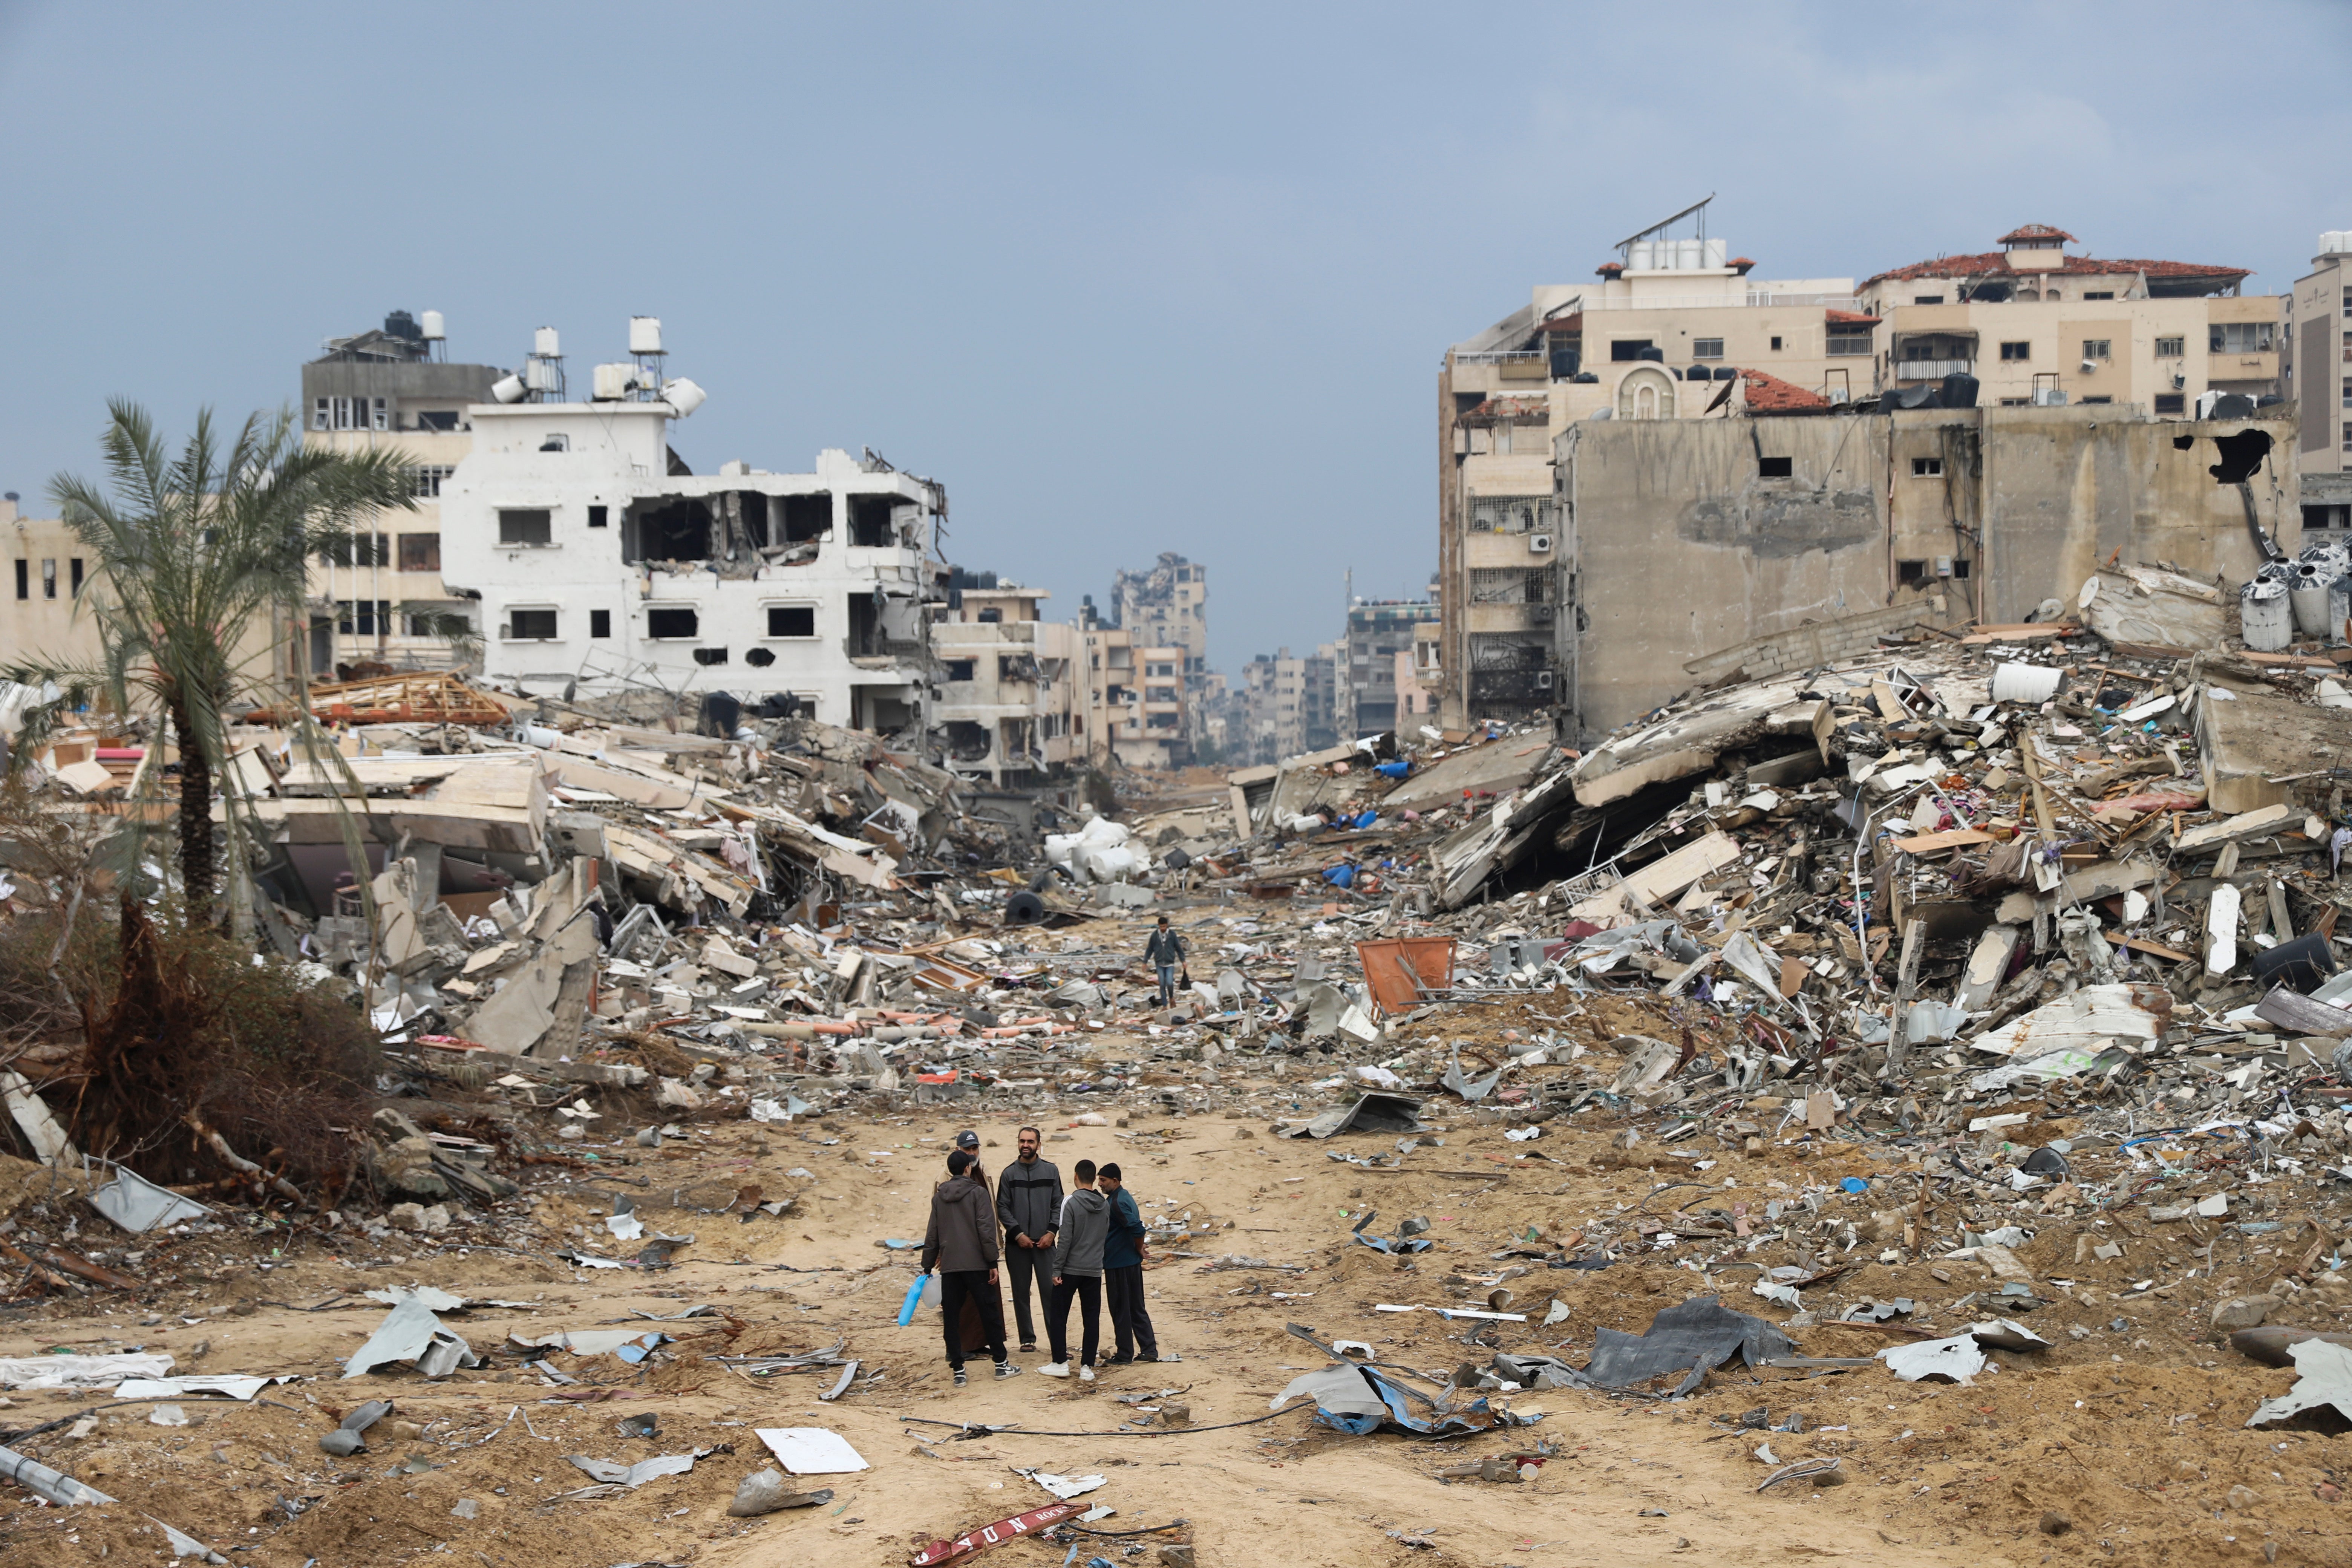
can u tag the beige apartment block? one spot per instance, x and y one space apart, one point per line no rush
2315 346
2034 322
1008 698
49 568
1135 698
382 388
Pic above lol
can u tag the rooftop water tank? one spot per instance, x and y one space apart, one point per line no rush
1640 256
1690 255
546 344
507 389
645 335
612 383
436 331
540 376
1714 253
683 395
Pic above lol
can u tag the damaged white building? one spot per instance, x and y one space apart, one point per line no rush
601 562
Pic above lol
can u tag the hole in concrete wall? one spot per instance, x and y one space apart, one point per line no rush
870 519
1776 467
1911 574
676 529
2241 455
2182 443
711 656
760 658
967 741
672 622
754 512
807 517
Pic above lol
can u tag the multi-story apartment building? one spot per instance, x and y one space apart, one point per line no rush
1378 631
1166 606
1135 697
599 559
383 601
1007 705
2033 323
2315 345
1305 700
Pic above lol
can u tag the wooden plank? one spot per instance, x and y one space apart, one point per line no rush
2141 944
1950 839
2290 1009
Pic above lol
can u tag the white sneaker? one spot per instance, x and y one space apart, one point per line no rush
1054 1369
1086 1374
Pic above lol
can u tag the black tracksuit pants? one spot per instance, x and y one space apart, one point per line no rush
970 1285
1088 1289
1027 1265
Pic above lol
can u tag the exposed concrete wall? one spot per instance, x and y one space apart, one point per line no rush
1685 553
1682 548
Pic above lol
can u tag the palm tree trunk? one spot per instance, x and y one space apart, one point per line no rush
196 818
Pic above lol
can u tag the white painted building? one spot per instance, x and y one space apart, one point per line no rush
597 560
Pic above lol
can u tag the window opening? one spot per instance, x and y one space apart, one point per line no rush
792 620
420 553
675 622
526 525
600 623
530 626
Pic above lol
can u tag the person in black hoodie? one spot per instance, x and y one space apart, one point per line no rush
960 1243
1028 1204
1077 1273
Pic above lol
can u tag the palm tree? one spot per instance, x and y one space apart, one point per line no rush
197 557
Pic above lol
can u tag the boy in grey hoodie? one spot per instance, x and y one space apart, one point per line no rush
1085 1226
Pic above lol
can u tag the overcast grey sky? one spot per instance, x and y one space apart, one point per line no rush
1126 282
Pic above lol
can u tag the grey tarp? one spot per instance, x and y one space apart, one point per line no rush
1695 1336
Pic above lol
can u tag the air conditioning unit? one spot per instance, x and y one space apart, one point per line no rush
2090 367
1538 543
2178 381
1543 680
1539 615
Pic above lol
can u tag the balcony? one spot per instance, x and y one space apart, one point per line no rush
1932 369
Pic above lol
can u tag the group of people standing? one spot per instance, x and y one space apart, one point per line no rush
1085 1245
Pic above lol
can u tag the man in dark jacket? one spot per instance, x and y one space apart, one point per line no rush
1164 952
1084 1223
1028 1200
1131 1321
960 1243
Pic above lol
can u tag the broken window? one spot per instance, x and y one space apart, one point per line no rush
1159 694
530 626
751 513
2098 293
1911 574
872 520
598 517
600 623
420 553
2171 348
675 530
707 656
437 419
1926 467
960 669
1776 467
526 525
760 656
364 617
792 620
2016 351
73 577
2239 337
424 482
807 517
673 621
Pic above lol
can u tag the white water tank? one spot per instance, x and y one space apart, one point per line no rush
645 335
436 331
612 383
1714 253
2265 619
540 376
683 395
1640 256
546 344
1690 255
507 389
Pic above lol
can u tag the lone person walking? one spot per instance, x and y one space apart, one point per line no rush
960 1243
1028 1204
1164 952
1131 1321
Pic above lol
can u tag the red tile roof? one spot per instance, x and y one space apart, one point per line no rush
2037 231
1609 269
1852 319
1995 264
1769 394
1741 261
